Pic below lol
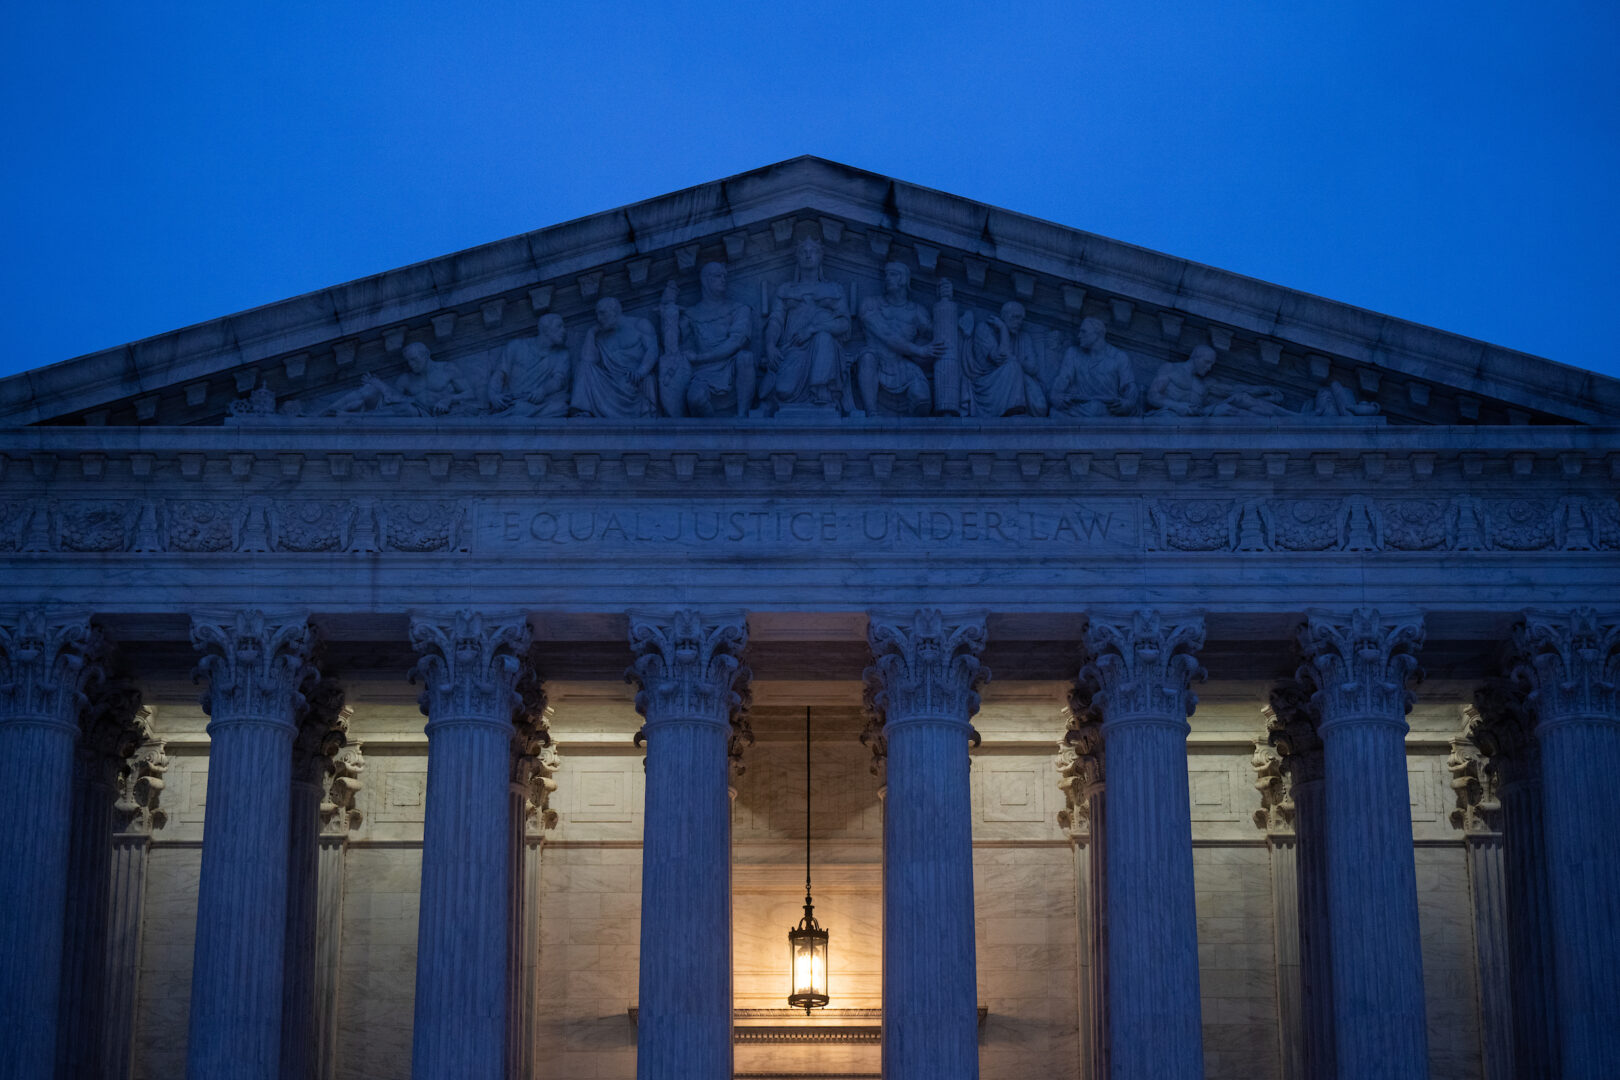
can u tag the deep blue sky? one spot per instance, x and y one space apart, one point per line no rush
1453 163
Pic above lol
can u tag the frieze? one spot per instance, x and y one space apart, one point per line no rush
1350 523
1363 523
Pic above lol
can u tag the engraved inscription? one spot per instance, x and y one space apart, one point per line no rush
1056 524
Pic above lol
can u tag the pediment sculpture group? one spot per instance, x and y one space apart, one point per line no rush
718 358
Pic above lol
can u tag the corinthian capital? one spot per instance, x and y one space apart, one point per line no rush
1570 661
257 667
1142 667
45 664
1473 782
140 782
322 731
470 666
1503 728
1360 665
112 724
688 665
925 667
1291 731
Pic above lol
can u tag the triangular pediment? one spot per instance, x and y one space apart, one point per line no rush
519 304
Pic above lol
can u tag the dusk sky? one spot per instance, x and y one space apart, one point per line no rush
1451 163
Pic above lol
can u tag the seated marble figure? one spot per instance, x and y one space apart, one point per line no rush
705 369
614 378
804 337
428 387
899 344
1095 379
530 376
1001 365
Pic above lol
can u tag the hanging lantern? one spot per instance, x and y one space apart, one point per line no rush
807 942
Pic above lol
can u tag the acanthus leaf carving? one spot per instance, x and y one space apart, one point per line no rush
1503 727
688 665
469 666
534 754
323 730
1473 782
340 812
111 725
1360 665
924 667
1143 665
137 808
256 666
1570 662
46 664
1081 762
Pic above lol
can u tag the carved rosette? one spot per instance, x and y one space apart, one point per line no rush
140 781
1503 727
688 665
1570 663
1141 667
322 731
924 669
1473 782
339 814
110 728
45 665
257 668
470 667
1360 666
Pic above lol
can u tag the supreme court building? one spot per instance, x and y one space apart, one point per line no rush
512 583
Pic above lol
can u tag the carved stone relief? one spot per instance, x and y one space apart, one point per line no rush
811 343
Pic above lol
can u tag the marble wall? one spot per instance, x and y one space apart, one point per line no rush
1025 880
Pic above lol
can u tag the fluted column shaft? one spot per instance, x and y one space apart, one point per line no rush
1095 936
470 668
129 854
298 1007
1572 664
1153 939
922 684
255 668
81 1030
1486 872
1139 670
517 1052
1315 930
43 669
1529 921
687 668
328 953
1360 665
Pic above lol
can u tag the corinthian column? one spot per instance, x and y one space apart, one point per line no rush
1572 666
339 817
136 813
109 732
1359 665
469 669
322 731
1080 762
534 759
256 668
44 665
1137 679
923 687
1506 735
1291 733
688 670
1478 814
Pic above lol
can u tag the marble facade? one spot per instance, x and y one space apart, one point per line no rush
1206 679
